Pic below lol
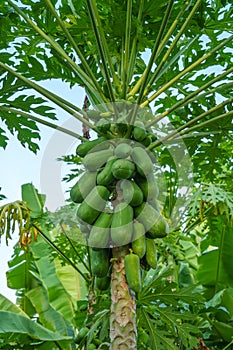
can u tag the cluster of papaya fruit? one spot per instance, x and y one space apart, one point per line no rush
117 196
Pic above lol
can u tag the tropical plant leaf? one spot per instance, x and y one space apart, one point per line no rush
215 271
11 322
47 271
72 281
158 340
7 305
48 317
22 276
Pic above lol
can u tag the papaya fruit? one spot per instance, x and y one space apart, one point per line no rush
122 126
133 272
139 239
123 169
87 146
155 204
148 186
151 255
85 229
100 232
123 150
94 161
122 224
100 262
154 223
105 176
91 347
94 203
146 142
81 334
102 283
139 131
83 186
142 161
132 193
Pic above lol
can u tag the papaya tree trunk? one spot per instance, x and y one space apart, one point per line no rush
123 331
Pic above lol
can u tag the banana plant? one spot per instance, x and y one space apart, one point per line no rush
46 290
164 68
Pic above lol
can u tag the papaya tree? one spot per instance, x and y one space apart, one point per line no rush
156 119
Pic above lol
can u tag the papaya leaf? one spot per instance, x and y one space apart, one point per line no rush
159 340
3 138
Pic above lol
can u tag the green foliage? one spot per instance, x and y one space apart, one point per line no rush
174 60
23 328
168 313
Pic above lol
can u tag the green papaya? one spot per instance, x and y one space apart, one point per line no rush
100 232
123 150
132 193
102 283
122 224
148 186
142 161
87 146
122 126
151 255
100 262
123 169
85 229
155 204
139 239
105 176
81 334
154 223
93 204
94 161
133 271
139 131
83 186
146 142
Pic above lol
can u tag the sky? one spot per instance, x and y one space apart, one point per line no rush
20 166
